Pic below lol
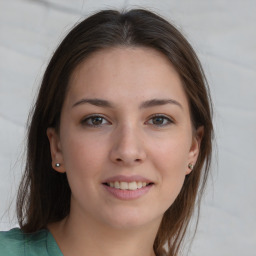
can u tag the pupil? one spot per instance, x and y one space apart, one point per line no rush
158 120
97 120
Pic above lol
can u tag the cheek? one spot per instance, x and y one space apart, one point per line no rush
172 154
83 160
170 159
82 154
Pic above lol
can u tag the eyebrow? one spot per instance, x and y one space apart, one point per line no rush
95 102
145 104
159 102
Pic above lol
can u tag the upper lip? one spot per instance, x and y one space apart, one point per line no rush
123 178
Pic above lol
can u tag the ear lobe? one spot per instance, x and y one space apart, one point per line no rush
55 149
195 147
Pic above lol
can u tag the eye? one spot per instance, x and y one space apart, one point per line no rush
94 121
160 120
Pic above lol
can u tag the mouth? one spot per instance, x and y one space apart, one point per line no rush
133 185
128 187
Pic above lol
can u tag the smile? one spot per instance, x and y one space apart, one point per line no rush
127 187
134 185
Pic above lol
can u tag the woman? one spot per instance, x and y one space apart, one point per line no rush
119 143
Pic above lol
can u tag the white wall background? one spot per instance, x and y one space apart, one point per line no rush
224 36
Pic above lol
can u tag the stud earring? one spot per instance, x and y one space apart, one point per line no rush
191 166
57 165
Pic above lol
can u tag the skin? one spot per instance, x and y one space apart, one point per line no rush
127 140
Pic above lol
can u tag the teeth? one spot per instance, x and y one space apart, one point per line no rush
132 185
124 185
127 185
139 184
116 184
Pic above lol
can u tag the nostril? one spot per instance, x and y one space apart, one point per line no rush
135 160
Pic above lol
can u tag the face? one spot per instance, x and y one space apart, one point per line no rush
125 138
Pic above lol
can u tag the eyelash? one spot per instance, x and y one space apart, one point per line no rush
167 119
85 121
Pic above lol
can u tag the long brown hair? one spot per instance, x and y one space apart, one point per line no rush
39 202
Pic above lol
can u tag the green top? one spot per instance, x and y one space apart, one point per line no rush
17 243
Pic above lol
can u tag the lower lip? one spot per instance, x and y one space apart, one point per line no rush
128 194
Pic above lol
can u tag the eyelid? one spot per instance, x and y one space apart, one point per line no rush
86 118
170 119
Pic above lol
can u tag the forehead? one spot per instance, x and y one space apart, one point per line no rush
125 73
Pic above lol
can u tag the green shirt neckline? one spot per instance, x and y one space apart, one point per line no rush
52 246
41 243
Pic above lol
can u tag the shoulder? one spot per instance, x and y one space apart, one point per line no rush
11 242
15 242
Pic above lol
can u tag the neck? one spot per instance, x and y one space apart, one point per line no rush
76 238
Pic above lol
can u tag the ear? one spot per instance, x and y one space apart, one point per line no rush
195 147
55 148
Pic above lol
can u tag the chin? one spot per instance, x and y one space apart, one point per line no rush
132 219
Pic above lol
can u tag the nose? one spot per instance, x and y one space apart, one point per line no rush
127 147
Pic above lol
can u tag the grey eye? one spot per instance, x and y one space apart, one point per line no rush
160 120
